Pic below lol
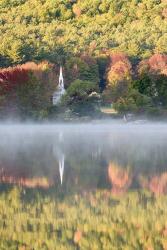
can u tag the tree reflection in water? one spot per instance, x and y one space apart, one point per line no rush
157 184
96 157
120 178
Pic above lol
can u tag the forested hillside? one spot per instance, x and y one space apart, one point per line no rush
55 29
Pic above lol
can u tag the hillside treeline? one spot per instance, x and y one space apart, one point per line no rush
56 30
91 82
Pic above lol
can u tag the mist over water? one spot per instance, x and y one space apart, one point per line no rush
99 155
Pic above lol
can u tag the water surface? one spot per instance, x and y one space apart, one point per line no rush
118 157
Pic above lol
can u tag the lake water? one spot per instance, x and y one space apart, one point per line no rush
83 157
99 186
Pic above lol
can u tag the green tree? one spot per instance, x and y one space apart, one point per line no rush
83 67
154 86
82 97
133 102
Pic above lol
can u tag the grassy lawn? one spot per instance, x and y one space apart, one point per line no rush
108 110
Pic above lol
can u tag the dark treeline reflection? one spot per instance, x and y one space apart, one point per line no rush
85 157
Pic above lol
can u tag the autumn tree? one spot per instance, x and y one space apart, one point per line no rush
118 76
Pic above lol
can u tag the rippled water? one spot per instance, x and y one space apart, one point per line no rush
85 157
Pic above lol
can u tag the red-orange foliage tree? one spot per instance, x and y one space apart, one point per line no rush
10 78
118 76
152 78
119 68
28 87
155 64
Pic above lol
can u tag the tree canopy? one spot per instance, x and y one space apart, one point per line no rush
53 30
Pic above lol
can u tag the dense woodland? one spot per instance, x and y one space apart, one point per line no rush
112 52
47 29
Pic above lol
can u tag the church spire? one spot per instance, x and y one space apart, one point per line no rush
60 89
61 79
61 168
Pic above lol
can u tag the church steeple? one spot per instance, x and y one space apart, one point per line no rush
60 90
61 79
61 168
